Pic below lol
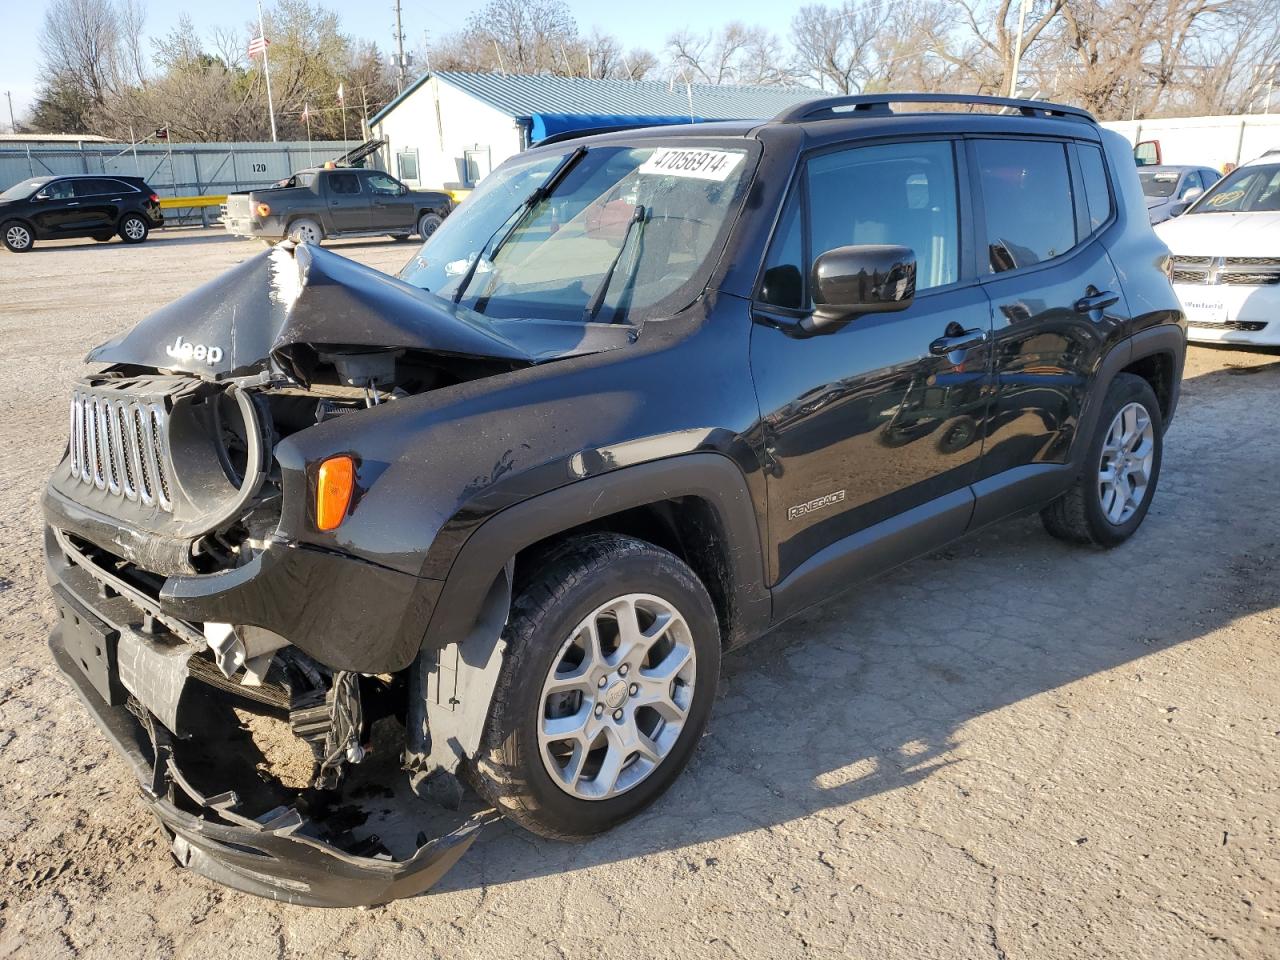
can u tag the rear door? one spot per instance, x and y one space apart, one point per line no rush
392 205
347 205
878 423
1057 301
100 203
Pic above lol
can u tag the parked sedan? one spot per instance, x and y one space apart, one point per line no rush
55 208
1171 189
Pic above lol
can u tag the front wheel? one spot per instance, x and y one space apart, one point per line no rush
428 224
1111 497
134 229
613 652
17 236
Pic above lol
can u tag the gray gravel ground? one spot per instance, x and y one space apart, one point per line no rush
1011 749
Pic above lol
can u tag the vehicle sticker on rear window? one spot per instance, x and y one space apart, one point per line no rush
689 162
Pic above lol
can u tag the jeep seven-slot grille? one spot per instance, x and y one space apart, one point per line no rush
1234 271
118 445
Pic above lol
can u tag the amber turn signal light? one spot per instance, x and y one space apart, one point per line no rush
264 210
334 484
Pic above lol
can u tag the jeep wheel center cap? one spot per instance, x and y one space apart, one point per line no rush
616 695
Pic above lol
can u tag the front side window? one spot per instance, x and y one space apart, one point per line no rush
1253 189
1027 199
382 184
59 190
622 230
899 193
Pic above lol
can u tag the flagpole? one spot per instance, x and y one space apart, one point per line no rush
311 157
266 69
342 105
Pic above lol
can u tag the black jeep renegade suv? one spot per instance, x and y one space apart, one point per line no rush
643 397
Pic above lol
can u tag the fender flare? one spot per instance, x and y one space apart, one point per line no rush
1164 339
712 477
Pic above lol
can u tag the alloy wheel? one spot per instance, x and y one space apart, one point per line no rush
1124 472
134 229
18 236
617 697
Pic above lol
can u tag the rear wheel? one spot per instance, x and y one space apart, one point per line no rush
1110 499
306 231
17 236
613 652
134 229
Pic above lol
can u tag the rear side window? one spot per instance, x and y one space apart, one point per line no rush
1026 195
1096 192
94 187
344 183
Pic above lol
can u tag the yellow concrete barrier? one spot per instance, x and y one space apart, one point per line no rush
173 203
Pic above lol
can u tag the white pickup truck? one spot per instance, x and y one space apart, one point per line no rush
319 203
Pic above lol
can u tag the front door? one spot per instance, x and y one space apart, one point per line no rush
874 429
348 205
55 209
392 202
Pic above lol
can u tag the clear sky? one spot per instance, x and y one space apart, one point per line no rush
647 23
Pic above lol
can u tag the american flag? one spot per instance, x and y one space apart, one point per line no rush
258 45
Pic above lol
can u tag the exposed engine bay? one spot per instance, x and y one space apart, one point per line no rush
189 618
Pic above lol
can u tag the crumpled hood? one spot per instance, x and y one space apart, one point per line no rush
1222 234
287 296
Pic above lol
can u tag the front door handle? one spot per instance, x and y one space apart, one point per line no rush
964 340
1098 300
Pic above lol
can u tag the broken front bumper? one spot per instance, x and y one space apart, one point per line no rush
281 854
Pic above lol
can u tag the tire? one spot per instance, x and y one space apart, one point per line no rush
17 236
134 229
1088 513
428 224
306 230
586 577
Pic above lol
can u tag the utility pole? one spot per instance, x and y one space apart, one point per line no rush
13 126
1017 48
266 70
400 77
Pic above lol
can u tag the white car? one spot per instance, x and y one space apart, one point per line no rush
1226 257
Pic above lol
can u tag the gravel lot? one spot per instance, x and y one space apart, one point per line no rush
1012 749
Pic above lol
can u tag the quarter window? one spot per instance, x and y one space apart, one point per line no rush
1097 193
783 283
1026 195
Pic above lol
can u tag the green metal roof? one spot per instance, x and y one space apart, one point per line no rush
521 96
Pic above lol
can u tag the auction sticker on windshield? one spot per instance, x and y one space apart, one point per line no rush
691 162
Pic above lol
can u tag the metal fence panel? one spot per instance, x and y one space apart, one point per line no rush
188 169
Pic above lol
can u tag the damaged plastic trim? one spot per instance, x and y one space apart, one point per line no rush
278 855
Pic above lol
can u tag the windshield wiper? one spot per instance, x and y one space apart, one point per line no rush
597 298
536 196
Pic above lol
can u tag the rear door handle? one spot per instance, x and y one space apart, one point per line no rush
1096 301
965 340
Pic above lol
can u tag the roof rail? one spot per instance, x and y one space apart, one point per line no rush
834 108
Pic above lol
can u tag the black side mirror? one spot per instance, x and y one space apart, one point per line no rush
850 281
1179 208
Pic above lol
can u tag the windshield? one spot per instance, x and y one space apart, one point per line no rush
1253 189
622 232
20 191
1158 183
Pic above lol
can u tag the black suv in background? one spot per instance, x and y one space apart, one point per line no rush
643 397
56 208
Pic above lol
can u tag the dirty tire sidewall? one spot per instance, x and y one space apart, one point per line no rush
13 233
134 229
1078 516
573 580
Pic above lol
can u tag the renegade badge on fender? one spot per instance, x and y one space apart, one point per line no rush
644 396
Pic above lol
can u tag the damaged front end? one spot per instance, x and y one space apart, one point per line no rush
270 685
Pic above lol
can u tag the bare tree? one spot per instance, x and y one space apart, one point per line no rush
736 54
80 44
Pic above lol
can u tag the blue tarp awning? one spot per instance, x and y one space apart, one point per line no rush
543 125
